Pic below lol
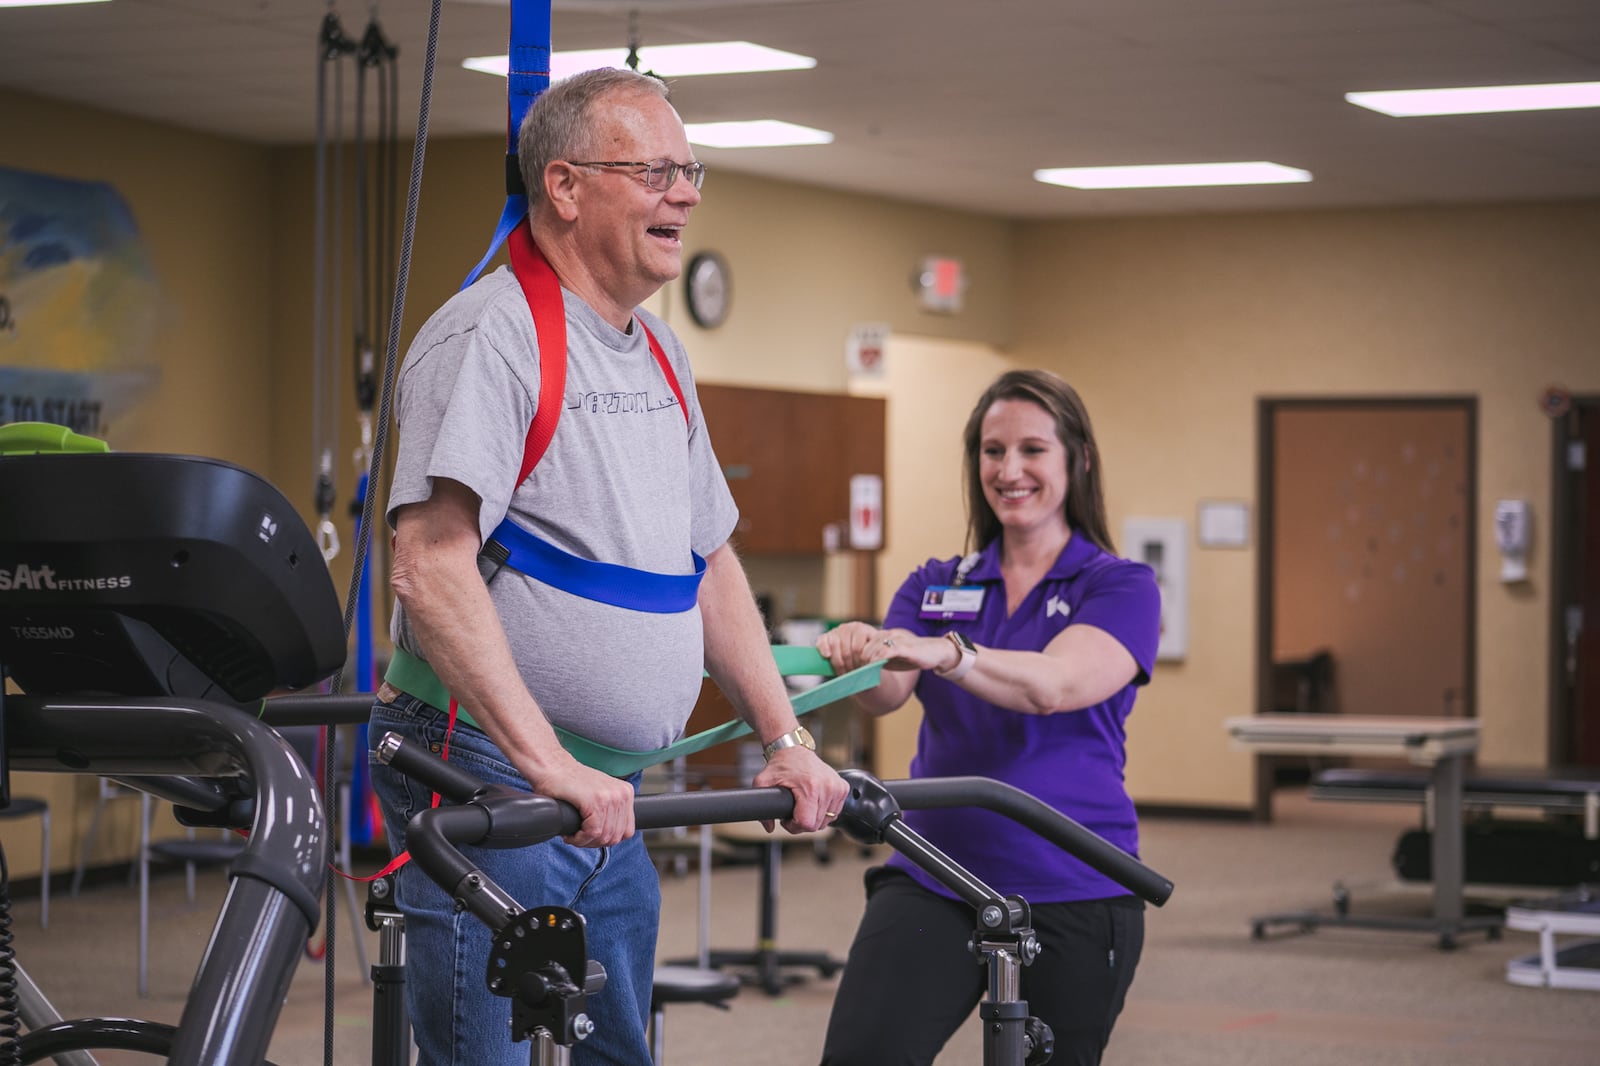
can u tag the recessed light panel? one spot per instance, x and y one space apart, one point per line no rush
1480 100
757 133
667 60
1172 175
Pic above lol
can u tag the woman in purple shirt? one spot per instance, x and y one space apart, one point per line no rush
1025 656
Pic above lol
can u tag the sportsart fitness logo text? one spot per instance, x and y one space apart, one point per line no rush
44 579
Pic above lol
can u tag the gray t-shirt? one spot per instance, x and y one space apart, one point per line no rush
625 480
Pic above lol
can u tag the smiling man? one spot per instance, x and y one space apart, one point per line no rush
561 571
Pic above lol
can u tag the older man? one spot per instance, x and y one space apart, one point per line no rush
498 530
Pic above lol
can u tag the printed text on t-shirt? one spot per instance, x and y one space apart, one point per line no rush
618 403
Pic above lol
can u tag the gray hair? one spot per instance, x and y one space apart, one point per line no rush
559 124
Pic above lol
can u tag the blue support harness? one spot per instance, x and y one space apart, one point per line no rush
619 586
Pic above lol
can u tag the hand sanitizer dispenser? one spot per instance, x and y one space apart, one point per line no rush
1513 533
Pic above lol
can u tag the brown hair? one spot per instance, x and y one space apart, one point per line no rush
1085 507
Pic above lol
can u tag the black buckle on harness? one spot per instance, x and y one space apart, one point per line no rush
498 555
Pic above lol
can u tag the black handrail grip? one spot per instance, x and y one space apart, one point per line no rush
353 708
1099 854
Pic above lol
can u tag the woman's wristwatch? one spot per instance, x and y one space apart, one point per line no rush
968 653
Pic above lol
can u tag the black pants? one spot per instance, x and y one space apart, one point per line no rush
910 981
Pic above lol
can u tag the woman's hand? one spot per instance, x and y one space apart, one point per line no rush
856 644
853 645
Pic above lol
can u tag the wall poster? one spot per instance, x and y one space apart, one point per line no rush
78 303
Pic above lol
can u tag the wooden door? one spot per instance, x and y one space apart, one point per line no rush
1367 520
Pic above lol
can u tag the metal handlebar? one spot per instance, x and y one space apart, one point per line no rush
167 745
498 817
1088 847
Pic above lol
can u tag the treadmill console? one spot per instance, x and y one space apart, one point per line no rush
152 575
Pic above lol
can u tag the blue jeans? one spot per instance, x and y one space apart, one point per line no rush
456 1020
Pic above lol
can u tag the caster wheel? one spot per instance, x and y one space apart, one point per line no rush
1258 931
1495 932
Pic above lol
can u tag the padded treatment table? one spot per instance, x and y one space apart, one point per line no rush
1441 744
1574 790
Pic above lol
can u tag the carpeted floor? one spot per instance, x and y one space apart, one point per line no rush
1205 994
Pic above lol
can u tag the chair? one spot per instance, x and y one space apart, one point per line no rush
684 984
24 807
1301 686
691 980
1304 686
109 790
189 850
766 962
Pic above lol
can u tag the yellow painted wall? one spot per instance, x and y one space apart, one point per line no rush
1172 328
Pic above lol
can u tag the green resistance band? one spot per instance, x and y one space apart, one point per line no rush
29 438
411 674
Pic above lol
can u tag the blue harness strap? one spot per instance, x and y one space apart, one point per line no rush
618 586
527 75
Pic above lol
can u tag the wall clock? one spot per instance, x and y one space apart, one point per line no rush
709 290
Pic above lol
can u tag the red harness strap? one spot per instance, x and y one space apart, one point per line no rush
543 292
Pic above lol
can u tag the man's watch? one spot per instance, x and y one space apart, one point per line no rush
799 737
969 657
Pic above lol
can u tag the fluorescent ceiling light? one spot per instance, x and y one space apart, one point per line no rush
1480 100
47 3
667 60
1174 175
499 65
758 133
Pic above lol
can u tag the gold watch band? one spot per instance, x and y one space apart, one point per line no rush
799 737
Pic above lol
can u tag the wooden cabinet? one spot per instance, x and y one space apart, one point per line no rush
789 457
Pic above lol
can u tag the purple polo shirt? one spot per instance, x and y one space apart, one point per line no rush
1072 760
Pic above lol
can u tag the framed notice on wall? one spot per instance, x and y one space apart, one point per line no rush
1163 545
1224 524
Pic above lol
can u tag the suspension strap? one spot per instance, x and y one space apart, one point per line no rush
527 75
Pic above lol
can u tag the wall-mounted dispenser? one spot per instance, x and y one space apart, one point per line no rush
1513 535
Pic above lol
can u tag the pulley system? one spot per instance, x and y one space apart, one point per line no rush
350 302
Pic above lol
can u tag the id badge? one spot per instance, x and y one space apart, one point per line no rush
952 602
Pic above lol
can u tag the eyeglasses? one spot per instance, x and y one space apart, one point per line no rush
658 174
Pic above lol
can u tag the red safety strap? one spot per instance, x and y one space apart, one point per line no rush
542 289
